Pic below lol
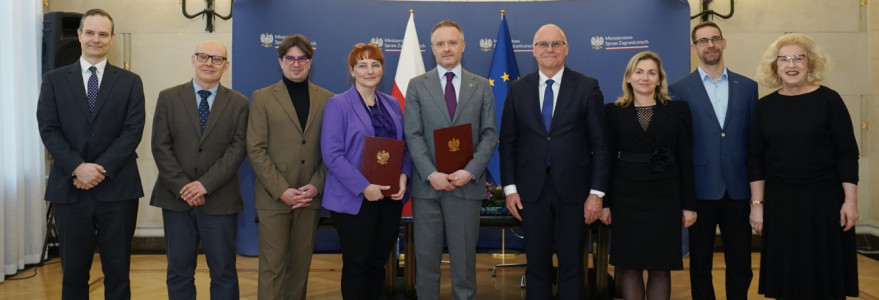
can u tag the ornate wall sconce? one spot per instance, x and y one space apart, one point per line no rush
208 13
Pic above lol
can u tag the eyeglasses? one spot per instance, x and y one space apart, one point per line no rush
704 41
547 44
797 59
290 60
215 59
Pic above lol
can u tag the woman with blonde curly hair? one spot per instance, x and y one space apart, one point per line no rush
652 189
803 166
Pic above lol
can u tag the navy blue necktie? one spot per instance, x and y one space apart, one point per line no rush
92 92
547 111
203 109
451 99
547 105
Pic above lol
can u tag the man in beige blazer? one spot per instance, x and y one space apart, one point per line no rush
198 145
283 143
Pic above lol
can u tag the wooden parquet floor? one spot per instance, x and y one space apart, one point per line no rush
148 279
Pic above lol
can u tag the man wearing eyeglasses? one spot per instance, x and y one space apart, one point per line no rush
447 96
722 103
554 164
198 145
91 119
283 143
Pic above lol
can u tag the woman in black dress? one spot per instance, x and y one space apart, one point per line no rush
652 190
803 165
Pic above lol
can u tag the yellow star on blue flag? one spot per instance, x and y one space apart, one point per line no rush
503 68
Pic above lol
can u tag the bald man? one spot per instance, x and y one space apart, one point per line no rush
198 143
554 164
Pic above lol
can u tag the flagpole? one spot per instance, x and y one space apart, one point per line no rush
504 253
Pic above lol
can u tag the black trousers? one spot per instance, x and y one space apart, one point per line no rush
82 226
367 238
735 230
549 223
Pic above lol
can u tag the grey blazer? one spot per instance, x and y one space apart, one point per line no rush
426 110
184 154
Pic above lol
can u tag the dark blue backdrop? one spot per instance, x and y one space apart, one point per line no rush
603 35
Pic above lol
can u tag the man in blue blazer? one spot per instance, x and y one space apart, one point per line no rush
554 164
722 103
91 118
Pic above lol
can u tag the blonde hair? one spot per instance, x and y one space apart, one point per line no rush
819 62
661 93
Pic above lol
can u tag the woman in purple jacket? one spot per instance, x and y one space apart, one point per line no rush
367 222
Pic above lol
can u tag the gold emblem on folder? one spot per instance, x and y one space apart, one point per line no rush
454 145
382 157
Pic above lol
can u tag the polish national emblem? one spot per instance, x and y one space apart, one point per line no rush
486 44
377 41
454 145
266 39
597 42
382 157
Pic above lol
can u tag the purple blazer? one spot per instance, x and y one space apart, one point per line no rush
346 122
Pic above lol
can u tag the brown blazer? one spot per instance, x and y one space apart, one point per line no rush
282 153
184 154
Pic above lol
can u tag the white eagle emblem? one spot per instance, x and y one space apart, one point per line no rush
377 41
266 39
486 44
597 42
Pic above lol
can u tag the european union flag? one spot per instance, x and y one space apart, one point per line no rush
502 72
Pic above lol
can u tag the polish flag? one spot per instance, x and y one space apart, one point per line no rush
410 64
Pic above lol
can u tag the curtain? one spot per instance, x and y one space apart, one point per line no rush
22 156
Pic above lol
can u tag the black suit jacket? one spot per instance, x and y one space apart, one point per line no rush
670 128
108 138
576 141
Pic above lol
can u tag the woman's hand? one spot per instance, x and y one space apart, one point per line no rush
373 192
756 218
399 195
848 214
689 218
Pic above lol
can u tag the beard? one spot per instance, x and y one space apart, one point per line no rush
705 60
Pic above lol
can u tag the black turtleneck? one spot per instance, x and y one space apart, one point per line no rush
299 94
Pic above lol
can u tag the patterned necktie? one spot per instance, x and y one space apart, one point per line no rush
451 99
203 109
92 92
547 105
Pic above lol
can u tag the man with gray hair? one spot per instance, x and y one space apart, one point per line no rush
554 164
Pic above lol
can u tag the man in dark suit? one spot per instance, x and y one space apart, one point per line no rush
448 96
198 145
283 143
554 164
722 103
91 118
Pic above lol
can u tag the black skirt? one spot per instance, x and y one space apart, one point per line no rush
806 254
646 224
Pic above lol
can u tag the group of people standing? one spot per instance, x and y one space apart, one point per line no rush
704 153
653 161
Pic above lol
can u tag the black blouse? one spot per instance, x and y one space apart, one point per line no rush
803 139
